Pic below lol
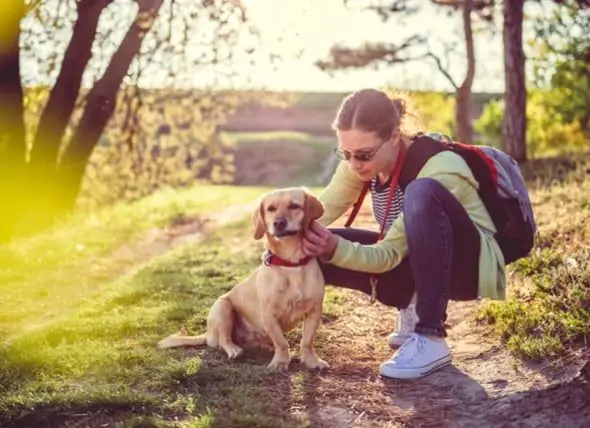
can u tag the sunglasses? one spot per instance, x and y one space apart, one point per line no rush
361 157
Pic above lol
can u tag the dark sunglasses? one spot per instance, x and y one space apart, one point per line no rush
361 157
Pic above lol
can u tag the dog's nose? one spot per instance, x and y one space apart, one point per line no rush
280 224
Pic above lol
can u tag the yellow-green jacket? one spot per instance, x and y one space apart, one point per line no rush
452 172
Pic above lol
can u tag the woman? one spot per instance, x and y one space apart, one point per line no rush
436 242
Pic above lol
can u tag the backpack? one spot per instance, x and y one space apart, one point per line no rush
501 188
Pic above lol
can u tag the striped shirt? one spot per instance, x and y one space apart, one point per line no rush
379 196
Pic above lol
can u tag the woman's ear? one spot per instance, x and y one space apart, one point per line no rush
258 222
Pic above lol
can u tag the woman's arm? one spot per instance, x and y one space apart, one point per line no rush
447 168
340 194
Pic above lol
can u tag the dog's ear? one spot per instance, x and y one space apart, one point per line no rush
314 208
258 222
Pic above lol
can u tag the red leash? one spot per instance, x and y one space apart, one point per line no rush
392 186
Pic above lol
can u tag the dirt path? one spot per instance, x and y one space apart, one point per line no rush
485 386
131 256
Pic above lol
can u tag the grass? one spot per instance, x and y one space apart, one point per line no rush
43 276
548 311
99 364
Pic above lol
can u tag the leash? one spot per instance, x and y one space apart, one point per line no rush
373 281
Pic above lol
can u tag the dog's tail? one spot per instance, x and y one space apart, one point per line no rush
182 339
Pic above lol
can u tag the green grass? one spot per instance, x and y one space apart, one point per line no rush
43 276
548 311
99 364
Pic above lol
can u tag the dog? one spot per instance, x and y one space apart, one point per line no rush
286 288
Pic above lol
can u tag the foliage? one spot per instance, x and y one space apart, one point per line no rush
547 312
547 133
437 111
560 53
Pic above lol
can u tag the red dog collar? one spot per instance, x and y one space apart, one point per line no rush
271 259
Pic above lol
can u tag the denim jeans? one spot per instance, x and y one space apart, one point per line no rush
442 262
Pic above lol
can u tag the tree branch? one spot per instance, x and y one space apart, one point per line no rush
341 57
442 69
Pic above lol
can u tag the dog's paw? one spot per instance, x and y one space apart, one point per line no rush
233 351
278 365
316 363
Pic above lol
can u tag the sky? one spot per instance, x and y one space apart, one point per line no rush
314 26
302 32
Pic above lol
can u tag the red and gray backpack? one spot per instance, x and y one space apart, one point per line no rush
501 188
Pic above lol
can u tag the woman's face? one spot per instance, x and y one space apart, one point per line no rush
366 153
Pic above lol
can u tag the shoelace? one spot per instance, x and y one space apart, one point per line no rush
408 351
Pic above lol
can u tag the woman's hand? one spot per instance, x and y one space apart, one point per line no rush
318 241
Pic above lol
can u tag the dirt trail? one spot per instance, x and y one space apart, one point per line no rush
485 386
156 242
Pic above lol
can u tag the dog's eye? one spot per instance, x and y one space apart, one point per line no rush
271 209
294 206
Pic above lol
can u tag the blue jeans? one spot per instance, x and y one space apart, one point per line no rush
442 262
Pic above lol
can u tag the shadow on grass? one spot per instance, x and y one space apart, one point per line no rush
243 392
85 411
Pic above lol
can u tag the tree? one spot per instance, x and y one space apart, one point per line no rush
514 121
341 57
43 162
561 59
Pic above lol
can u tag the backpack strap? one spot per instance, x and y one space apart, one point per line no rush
419 152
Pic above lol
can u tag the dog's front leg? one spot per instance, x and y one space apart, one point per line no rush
281 357
311 324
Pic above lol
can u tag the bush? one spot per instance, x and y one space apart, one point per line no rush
548 133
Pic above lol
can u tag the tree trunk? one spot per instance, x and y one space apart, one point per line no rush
514 122
101 103
62 99
12 125
463 93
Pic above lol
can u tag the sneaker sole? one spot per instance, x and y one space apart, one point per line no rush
417 372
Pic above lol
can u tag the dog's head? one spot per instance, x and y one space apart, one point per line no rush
286 212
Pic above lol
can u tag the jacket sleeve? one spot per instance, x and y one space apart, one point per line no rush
340 194
385 255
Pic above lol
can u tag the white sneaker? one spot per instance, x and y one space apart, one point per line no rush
406 320
419 356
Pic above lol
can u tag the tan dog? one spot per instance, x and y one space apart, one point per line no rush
284 289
